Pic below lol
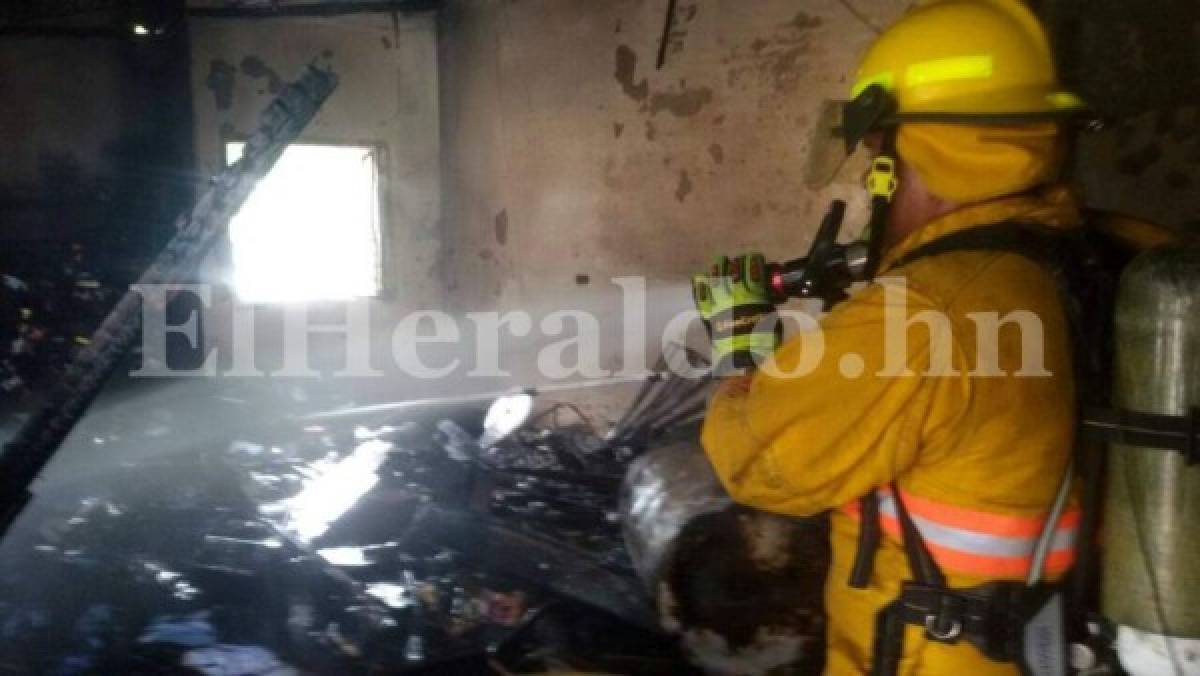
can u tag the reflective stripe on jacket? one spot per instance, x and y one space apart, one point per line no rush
973 542
986 445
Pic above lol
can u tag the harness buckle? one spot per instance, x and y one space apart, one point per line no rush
949 634
944 622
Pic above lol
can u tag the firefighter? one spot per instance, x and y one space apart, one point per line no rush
938 401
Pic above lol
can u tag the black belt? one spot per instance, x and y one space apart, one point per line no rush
992 617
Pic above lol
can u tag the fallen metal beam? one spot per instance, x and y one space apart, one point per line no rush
197 232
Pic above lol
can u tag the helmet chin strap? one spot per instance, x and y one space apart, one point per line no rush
882 182
874 110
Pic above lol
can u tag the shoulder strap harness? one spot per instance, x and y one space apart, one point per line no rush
992 617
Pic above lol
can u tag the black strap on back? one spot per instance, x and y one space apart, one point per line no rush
1084 268
869 532
1083 281
1085 284
924 569
1042 244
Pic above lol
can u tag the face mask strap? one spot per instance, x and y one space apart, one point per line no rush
873 110
881 185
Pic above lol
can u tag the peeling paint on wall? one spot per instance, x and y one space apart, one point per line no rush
387 99
501 227
254 67
678 30
626 69
803 21
221 77
775 63
681 104
685 186
672 160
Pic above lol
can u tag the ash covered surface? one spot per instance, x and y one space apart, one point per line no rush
396 547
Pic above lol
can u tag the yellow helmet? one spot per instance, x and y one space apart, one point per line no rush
976 59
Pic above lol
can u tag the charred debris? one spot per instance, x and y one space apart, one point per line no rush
402 545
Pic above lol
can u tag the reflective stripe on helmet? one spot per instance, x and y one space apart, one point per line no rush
973 67
986 60
1065 100
973 542
886 79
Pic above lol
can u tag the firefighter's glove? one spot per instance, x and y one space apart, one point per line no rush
733 301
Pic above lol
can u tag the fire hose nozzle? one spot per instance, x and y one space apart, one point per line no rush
828 269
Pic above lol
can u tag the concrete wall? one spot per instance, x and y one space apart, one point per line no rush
52 110
569 153
1140 67
96 141
571 159
387 97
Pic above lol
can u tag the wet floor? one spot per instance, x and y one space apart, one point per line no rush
270 544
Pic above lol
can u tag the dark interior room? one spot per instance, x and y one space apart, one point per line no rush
862 337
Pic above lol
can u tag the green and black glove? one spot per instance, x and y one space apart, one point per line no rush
734 302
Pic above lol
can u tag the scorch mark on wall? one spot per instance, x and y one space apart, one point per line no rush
626 69
501 227
773 63
254 67
685 186
221 76
683 103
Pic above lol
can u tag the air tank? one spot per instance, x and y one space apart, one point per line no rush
1150 585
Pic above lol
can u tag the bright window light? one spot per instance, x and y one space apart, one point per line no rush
310 230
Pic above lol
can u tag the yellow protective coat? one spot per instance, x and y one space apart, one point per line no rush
800 445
